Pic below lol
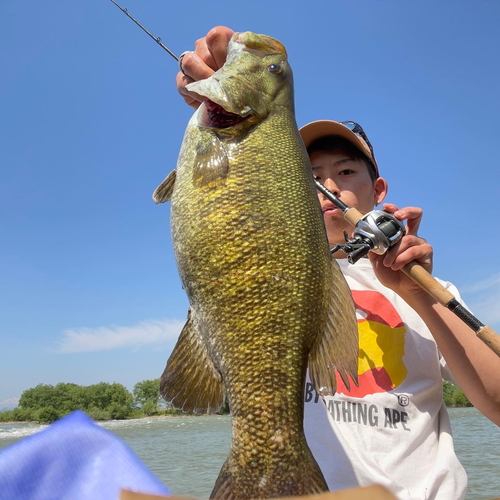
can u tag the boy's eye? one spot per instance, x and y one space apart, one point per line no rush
346 171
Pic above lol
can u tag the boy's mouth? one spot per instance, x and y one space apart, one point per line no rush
329 209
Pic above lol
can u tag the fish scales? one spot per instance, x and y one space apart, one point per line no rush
251 250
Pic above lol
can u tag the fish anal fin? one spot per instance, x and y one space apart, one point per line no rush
223 487
338 348
190 381
164 191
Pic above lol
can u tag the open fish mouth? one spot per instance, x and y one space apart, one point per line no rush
215 116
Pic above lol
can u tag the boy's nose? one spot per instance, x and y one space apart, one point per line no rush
330 184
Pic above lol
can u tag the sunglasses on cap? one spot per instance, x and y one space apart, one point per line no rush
356 128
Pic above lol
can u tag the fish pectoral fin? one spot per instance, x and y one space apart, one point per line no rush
212 164
190 380
338 349
164 191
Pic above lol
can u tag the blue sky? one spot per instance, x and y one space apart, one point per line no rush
90 124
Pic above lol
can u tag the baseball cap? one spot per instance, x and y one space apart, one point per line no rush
324 128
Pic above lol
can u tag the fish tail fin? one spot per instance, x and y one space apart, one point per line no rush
299 477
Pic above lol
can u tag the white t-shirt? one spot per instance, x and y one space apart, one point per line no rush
393 429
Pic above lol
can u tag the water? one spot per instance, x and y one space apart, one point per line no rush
477 445
186 453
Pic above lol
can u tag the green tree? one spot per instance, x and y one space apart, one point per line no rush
48 414
97 414
37 397
448 388
147 391
47 403
149 408
454 397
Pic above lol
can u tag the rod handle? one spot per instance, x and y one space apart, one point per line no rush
490 338
425 280
353 216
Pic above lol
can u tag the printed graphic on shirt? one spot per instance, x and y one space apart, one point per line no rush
381 346
361 413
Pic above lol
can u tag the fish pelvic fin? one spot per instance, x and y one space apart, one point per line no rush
338 348
190 381
164 191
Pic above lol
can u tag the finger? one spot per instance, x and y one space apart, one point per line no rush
402 245
390 208
421 254
407 250
217 40
194 67
192 99
203 52
412 216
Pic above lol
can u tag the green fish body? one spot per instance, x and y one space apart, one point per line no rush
266 298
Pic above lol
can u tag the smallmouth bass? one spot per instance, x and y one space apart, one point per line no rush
266 298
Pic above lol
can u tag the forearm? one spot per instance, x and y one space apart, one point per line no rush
475 367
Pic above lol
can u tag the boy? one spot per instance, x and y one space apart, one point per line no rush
394 429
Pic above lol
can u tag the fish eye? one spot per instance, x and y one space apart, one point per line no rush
276 69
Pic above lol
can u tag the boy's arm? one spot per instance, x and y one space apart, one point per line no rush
475 367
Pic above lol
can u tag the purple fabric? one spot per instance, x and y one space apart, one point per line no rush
73 459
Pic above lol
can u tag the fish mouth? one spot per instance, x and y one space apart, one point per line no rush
215 116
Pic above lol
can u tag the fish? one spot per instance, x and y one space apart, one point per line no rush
266 299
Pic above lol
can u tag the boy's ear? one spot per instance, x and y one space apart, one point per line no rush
380 189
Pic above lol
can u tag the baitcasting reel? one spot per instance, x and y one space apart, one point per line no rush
376 231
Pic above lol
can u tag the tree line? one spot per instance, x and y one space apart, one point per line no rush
103 401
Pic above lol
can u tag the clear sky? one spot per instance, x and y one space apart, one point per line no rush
91 123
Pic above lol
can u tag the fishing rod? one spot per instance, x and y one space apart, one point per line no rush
157 39
377 231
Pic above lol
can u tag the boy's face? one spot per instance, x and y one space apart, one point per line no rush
349 179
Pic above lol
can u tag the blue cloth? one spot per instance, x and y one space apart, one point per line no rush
73 459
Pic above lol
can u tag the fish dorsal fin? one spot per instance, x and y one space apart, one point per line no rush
164 191
338 349
212 163
190 380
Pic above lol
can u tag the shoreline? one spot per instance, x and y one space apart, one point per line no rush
116 419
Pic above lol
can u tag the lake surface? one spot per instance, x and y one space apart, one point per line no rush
186 453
